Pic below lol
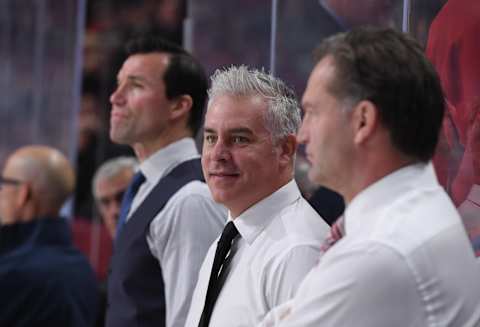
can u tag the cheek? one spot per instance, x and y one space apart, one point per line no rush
141 102
204 161
5 206
104 211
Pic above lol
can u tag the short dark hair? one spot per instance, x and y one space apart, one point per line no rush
184 74
388 68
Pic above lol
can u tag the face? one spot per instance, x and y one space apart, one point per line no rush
140 107
9 194
240 163
109 194
325 130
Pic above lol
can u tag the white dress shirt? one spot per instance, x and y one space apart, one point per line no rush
278 243
470 212
182 231
405 261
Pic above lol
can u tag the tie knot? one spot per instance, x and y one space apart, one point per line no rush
138 179
229 233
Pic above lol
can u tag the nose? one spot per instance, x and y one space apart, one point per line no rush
220 151
302 136
117 97
115 210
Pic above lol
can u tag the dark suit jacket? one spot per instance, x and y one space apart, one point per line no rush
44 280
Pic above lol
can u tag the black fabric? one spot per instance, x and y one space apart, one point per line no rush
136 294
329 204
214 284
44 280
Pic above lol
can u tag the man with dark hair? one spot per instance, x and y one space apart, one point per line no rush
168 218
44 280
373 111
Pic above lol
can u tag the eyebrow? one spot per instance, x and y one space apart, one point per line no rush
237 130
208 130
134 78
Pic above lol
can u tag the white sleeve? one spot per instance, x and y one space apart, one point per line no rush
284 274
364 287
179 238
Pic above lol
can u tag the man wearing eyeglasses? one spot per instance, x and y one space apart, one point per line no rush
44 280
109 184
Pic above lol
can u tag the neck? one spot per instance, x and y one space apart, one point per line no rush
167 138
369 173
236 211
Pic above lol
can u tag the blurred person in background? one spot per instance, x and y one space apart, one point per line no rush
110 182
453 49
470 208
90 127
44 280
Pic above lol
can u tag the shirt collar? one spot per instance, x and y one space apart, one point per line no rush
164 160
254 220
361 210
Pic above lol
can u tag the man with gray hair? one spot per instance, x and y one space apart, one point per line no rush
272 236
109 184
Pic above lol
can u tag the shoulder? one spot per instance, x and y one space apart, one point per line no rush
416 219
194 195
294 236
298 224
190 210
360 265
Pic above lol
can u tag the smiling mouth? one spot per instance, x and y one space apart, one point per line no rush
223 175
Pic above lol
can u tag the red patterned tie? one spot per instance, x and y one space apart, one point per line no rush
337 231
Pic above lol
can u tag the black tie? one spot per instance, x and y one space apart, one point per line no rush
214 284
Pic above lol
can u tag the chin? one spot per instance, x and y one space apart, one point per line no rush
315 178
217 197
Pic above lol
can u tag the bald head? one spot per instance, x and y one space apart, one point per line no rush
47 179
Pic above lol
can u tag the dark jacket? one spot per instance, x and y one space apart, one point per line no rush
44 280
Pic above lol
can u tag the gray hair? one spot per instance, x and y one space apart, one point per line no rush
282 117
111 168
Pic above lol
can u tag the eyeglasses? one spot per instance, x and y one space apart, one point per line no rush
9 181
106 200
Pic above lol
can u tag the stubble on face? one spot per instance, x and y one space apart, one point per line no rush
239 161
139 102
325 128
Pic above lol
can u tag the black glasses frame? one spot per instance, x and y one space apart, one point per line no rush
10 181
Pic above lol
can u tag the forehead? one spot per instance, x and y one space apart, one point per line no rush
228 111
13 167
320 79
121 179
149 65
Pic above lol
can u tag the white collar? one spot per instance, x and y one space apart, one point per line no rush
164 160
256 218
386 190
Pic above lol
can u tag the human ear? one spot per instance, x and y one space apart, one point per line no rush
365 120
181 106
288 147
24 195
